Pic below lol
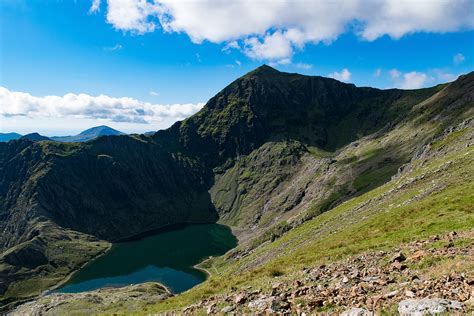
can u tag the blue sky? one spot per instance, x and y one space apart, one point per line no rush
165 59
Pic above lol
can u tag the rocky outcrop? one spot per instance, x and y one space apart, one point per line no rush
428 306
365 284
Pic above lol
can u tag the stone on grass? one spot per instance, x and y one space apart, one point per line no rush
356 311
414 307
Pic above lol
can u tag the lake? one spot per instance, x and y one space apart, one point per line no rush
167 258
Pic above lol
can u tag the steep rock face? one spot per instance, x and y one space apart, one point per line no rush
119 186
267 105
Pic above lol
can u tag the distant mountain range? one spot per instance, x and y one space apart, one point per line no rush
84 136
88 134
5 137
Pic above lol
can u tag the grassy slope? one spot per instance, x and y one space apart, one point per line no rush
67 251
435 195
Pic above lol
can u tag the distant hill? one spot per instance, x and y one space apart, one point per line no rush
5 137
89 134
35 137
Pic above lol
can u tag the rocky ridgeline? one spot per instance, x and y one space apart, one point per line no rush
390 281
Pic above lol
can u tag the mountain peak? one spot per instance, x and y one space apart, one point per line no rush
101 130
34 137
264 70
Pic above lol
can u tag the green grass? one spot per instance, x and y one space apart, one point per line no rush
388 217
450 138
69 250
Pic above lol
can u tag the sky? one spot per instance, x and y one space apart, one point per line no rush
140 65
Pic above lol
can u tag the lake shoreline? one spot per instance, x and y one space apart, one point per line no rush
182 248
160 230
71 274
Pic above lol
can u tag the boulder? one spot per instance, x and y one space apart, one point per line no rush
427 306
356 311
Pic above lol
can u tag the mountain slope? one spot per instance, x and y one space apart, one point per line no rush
89 134
34 137
265 155
5 137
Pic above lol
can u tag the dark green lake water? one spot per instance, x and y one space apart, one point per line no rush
167 258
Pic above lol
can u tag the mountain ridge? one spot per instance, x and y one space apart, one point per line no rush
269 152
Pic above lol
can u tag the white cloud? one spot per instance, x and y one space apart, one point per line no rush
458 58
154 93
377 72
343 75
137 16
230 45
444 76
95 6
409 80
274 47
303 66
413 80
21 104
394 74
238 62
286 25
113 48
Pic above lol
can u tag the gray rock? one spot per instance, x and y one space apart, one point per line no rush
228 309
261 304
414 307
391 294
356 311
409 293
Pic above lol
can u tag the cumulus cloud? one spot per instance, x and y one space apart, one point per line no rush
285 25
409 80
137 16
90 107
458 58
414 80
343 75
230 45
274 47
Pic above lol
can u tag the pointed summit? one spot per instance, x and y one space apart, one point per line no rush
264 70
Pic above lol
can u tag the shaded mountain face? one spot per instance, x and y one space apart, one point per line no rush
5 137
89 134
268 105
261 151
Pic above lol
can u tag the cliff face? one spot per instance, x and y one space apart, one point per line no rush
269 147
268 105
112 188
